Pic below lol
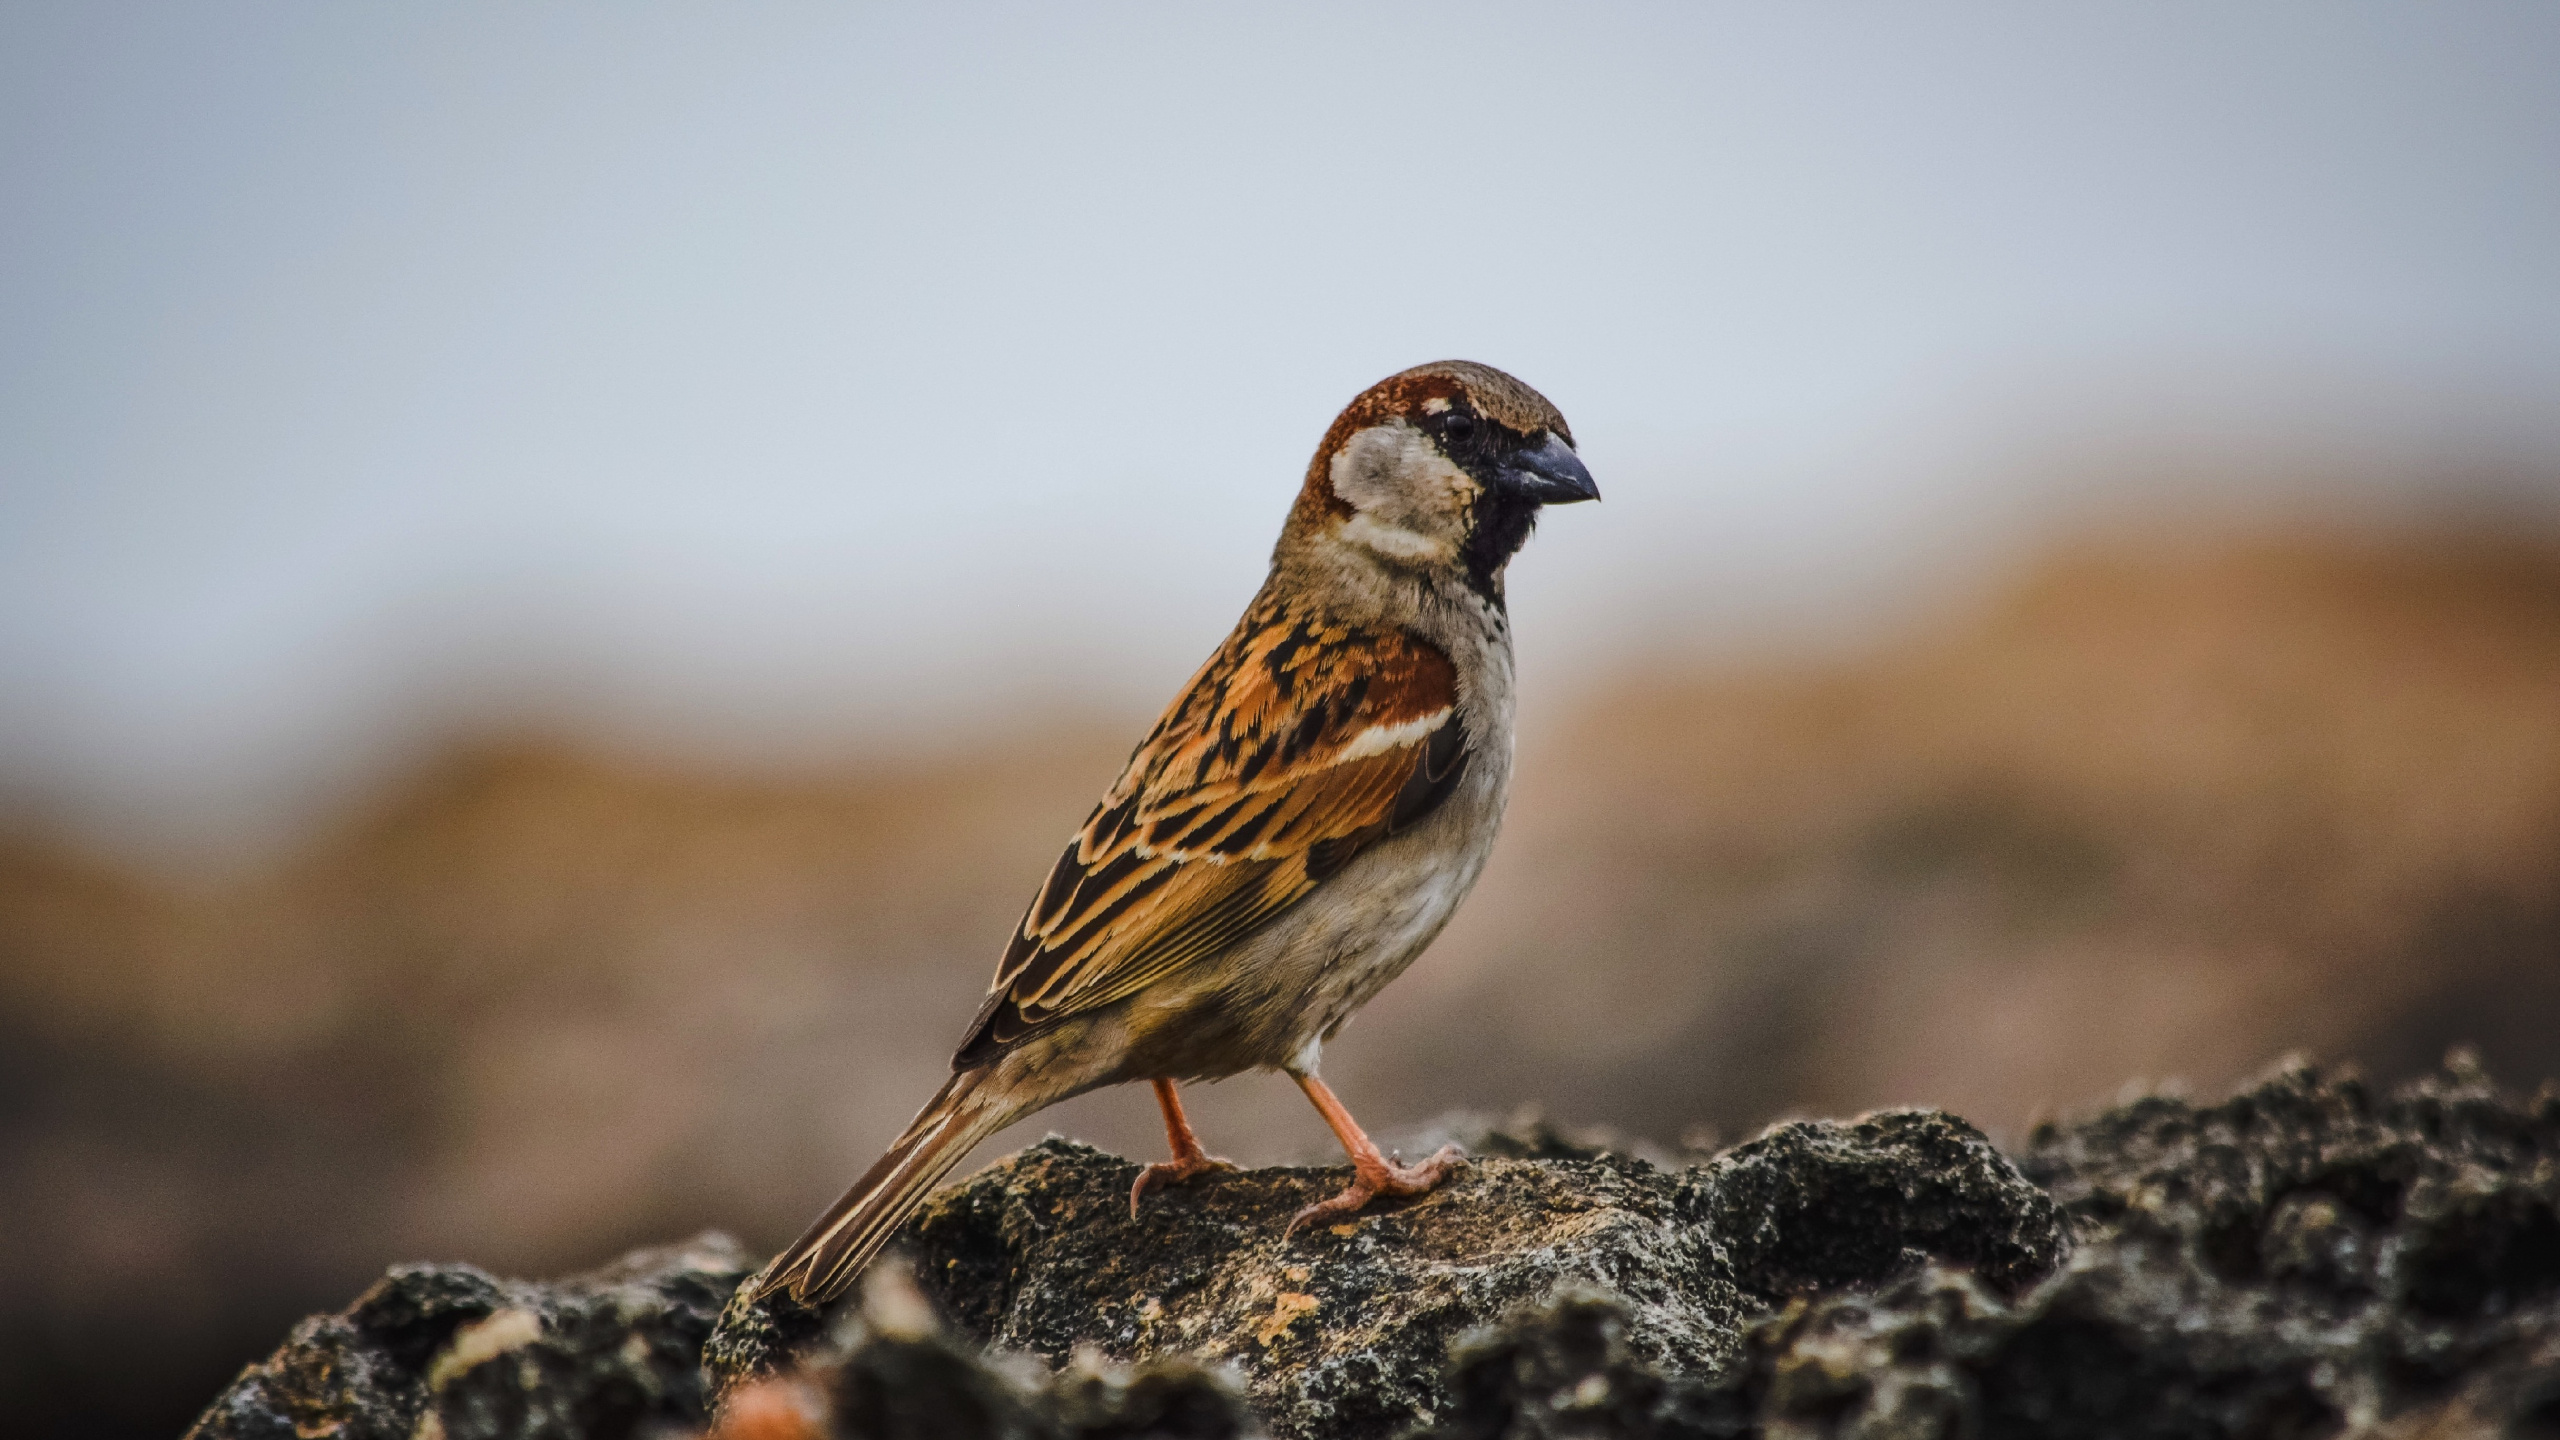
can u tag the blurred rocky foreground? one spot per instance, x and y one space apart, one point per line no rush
2157 809
2303 1259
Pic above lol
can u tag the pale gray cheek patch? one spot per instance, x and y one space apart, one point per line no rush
1368 468
1395 477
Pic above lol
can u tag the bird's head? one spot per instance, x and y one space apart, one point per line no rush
1441 466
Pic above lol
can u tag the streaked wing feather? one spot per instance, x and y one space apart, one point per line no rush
1298 744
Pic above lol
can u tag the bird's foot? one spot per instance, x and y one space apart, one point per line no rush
1373 1176
1175 1171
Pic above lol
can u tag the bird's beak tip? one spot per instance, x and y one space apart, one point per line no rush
1550 473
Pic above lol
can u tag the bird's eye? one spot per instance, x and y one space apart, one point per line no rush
1457 422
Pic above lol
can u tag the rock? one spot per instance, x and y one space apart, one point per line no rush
446 1351
1821 1204
2301 1259
892 1372
1564 1369
1342 1331
1347 1331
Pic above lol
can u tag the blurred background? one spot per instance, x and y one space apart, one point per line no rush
564 570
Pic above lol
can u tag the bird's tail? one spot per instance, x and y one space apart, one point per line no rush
820 1264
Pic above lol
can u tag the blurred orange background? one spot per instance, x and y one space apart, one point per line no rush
562 576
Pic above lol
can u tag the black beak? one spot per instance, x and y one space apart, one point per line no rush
1546 473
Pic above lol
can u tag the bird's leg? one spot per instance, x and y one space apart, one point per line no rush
1188 1158
1372 1173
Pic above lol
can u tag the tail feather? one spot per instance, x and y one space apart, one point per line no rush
820 1264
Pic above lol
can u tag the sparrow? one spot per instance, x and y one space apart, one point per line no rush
1298 826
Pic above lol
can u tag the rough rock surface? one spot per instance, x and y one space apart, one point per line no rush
445 1350
2302 1259
889 1370
1347 1331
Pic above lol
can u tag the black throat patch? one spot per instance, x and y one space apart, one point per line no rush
1502 525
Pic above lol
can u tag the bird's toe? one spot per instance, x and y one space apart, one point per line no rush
1173 1172
1371 1179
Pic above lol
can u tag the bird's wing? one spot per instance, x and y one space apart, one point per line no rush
1299 743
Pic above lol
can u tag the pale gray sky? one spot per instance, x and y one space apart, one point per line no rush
762 376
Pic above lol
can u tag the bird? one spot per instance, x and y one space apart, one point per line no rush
1297 827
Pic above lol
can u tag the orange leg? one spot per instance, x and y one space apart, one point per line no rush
1188 1160
1372 1173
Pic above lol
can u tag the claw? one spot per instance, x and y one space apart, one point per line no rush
1373 1178
1173 1172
